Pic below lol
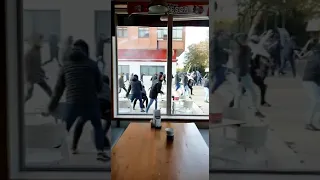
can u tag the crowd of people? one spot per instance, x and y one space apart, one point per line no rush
247 59
87 90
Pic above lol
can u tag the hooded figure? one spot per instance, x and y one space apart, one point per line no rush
81 79
311 83
54 49
67 49
34 73
154 91
136 90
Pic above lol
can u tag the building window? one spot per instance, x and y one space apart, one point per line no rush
45 22
151 70
101 22
123 69
162 33
143 32
177 33
122 32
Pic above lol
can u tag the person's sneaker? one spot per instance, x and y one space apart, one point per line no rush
265 104
102 156
311 127
74 151
259 114
142 110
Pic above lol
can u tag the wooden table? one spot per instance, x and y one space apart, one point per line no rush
143 153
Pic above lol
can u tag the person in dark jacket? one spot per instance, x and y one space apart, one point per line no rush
127 77
311 83
154 79
81 79
105 109
206 90
54 49
136 91
34 73
121 84
185 85
220 57
155 90
289 56
241 66
144 98
100 50
177 80
190 85
67 49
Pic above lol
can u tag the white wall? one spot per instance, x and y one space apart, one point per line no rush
135 66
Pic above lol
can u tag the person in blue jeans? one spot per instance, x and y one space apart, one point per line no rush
136 91
81 78
218 46
153 95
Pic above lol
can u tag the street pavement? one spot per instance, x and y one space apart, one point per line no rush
289 145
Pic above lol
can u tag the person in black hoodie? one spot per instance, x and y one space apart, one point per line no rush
144 98
81 79
135 88
155 90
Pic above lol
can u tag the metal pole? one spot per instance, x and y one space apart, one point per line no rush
169 64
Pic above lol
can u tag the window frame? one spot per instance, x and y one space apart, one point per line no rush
175 30
124 31
146 30
152 66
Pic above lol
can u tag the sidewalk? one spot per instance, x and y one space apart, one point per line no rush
290 146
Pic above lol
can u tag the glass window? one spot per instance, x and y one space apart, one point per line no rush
162 33
122 32
143 32
123 69
45 22
151 70
177 33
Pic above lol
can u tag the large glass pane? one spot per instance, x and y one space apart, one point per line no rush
61 84
265 112
146 57
190 68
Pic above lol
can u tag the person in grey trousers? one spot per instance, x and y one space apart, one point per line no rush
67 49
54 49
121 84
311 84
34 73
81 79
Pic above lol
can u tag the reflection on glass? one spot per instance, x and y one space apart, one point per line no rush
55 61
264 110
190 79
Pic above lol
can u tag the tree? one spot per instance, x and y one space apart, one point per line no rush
197 57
